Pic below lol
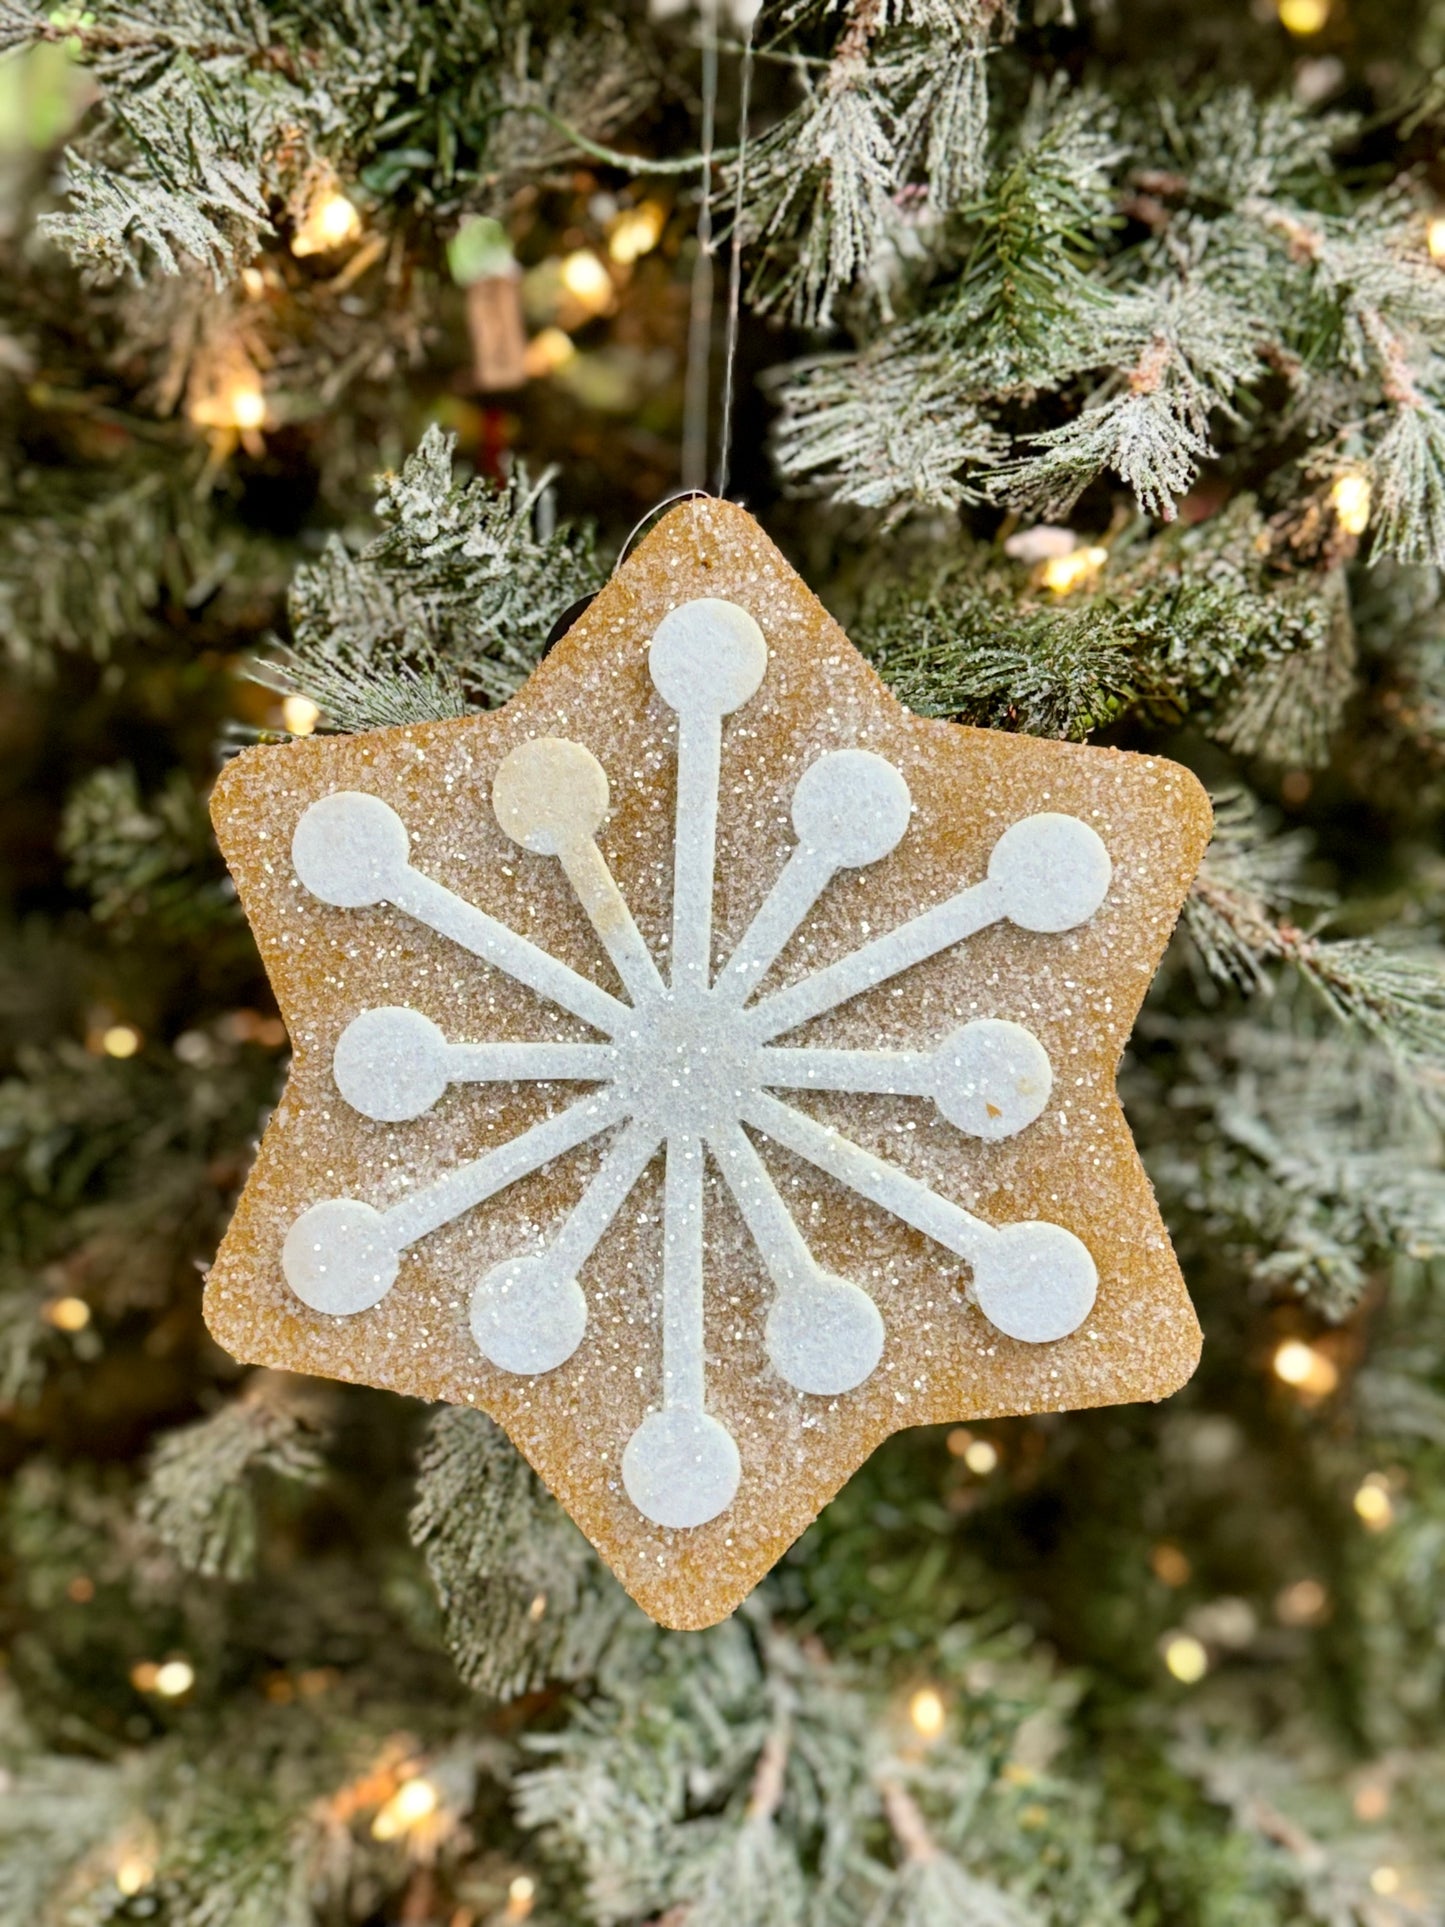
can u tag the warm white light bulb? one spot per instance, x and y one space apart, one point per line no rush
247 407
584 275
521 1892
1303 16
1309 1370
300 715
636 232
412 1802
547 352
176 1677
331 221
133 1874
336 219
1372 1504
585 279
1351 497
1186 1658
67 1314
1078 569
927 1712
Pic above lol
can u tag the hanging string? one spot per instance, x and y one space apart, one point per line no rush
679 495
735 268
699 330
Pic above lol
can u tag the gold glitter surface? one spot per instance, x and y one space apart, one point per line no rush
1078 992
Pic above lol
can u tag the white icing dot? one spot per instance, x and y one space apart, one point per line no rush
992 1078
550 794
824 1335
338 1258
1053 871
708 656
851 806
391 1064
350 850
681 1468
1035 1282
527 1316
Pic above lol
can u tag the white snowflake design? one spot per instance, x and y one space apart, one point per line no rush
689 1062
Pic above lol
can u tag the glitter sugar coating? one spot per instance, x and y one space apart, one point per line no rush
481 811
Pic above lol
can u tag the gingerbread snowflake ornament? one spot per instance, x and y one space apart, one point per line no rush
706 1066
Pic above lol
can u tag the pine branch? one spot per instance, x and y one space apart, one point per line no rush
1171 628
1186 352
200 1498
890 428
1235 914
522 1596
446 611
144 860
1026 286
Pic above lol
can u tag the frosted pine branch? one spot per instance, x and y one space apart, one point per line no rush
199 1497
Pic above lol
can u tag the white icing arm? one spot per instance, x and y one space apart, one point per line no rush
528 1314
850 808
394 1064
990 1079
871 1177
681 1467
551 796
707 658
824 1335
351 850
1046 873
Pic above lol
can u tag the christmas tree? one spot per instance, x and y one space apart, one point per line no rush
1088 358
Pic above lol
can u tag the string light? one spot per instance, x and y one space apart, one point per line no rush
300 715
1302 1604
1371 1801
120 1040
1170 1565
226 397
1186 1658
330 223
1305 1368
67 1314
1080 568
1351 499
636 231
980 1457
81 1589
1372 1503
1385 1881
173 1679
413 1802
586 279
520 1894
1303 17
247 407
1435 237
133 1874
927 1712
547 352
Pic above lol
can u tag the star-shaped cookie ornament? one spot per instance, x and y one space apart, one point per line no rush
706 1067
